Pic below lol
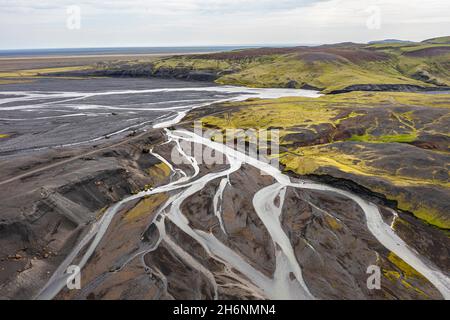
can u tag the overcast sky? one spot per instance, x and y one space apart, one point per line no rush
102 23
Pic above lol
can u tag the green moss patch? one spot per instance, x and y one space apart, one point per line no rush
328 68
400 138
374 139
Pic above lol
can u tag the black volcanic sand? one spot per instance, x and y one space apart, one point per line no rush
44 215
61 121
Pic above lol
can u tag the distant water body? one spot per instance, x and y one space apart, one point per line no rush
115 51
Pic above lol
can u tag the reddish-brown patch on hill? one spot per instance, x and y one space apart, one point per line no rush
360 55
322 53
320 57
429 52
246 54
342 55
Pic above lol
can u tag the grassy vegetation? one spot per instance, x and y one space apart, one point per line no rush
13 81
323 75
431 215
313 159
288 114
405 268
404 273
326 68
291 70
439 40
333 222
198 64
417 47
325 159
384 120
146 206
357 99
280 115
12 76
400 138
160 170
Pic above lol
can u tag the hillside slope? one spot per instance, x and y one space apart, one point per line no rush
328 68
439 40
393 144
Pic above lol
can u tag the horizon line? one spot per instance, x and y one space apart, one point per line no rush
210 45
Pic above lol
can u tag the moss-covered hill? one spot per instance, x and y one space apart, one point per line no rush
330 68
394 144
439 40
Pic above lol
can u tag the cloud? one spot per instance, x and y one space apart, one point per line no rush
208 22
178 6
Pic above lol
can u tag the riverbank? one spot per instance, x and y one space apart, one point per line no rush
131 217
